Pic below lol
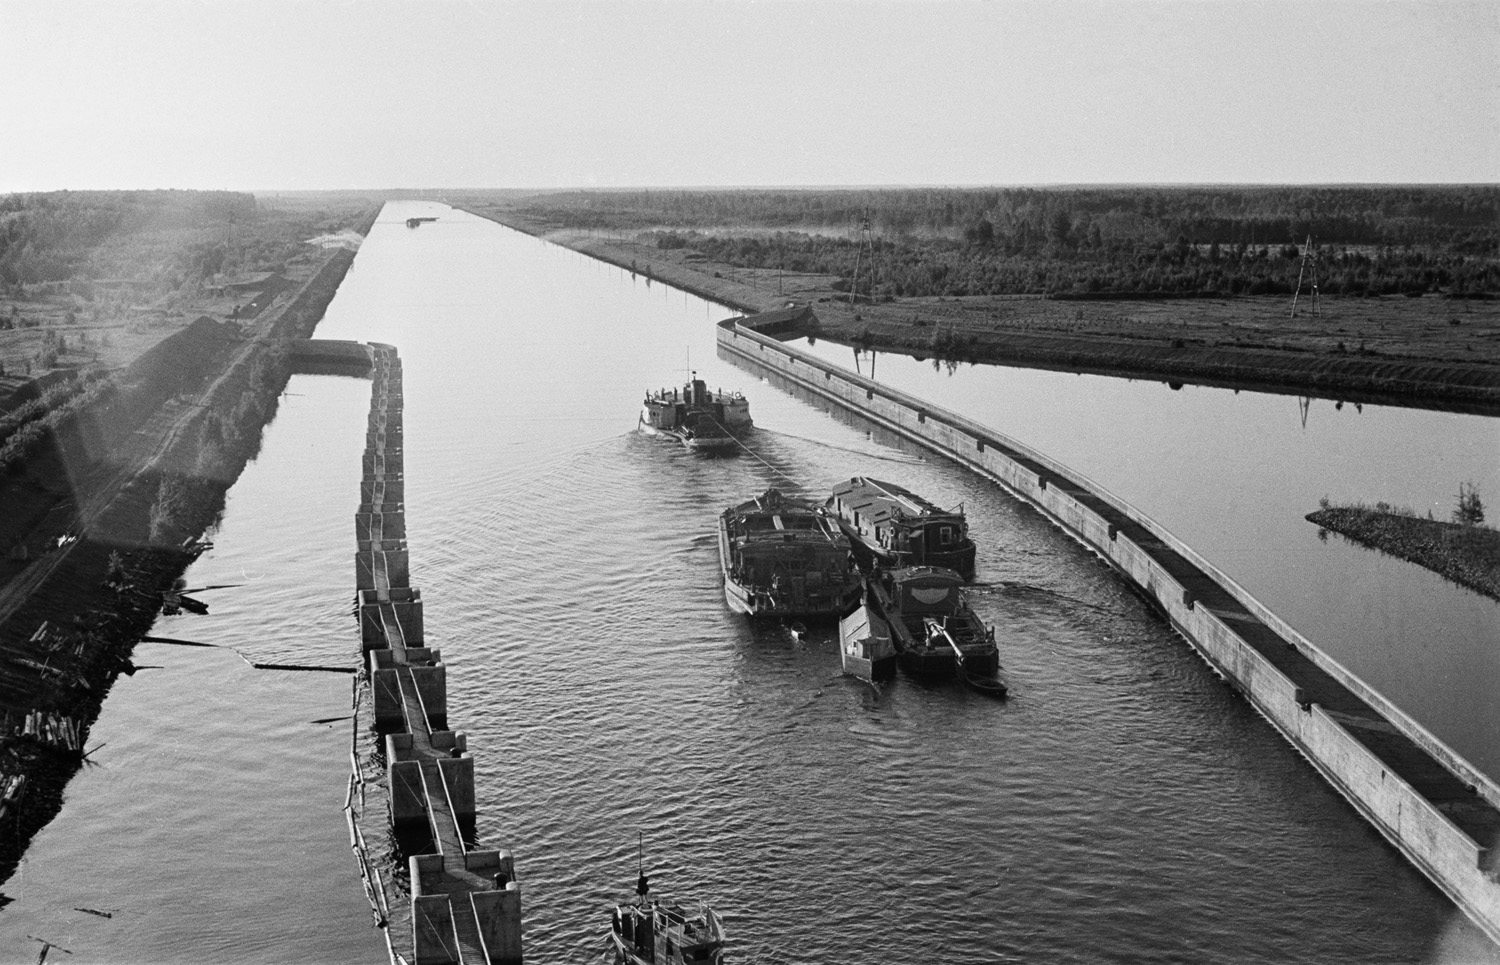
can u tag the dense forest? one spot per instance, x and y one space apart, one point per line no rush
64 235
1081 242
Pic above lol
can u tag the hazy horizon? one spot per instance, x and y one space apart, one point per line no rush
336 95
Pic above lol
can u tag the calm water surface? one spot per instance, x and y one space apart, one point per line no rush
1121 807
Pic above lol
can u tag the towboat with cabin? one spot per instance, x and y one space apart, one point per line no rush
649 931
784 557
933 627
700 419
894 526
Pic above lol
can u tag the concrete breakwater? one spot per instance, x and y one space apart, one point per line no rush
1437 809
463 903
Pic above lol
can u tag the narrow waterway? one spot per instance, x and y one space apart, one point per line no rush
1123 805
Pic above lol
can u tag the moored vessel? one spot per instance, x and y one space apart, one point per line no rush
650 931
783 557
934 629
700 419
865 645
895 527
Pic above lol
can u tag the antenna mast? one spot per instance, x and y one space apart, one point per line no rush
1310 269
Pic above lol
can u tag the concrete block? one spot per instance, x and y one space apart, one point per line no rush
458 777
408 799
434 939
499 916
385 691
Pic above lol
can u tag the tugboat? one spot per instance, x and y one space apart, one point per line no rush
652 932
866 647
699 418
895 527
784 557
934 629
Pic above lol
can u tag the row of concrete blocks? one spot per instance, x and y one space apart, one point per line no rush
391 635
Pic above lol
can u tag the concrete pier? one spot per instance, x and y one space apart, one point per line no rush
465 902
1435 807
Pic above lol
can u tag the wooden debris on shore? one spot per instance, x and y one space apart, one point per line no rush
53 729
12 786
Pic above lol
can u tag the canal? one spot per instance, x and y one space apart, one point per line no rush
1122 806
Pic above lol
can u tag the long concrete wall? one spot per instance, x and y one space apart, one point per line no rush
465 902
1436 808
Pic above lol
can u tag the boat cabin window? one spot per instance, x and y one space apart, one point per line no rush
930 596
947 535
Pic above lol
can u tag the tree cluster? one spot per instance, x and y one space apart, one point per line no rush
1080 242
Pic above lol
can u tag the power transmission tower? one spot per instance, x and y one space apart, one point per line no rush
1310 269
864 252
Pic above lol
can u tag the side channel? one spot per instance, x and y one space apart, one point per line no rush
1436 808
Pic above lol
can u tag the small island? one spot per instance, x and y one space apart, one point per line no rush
1463 551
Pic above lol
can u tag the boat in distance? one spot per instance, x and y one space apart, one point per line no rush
866 647
698 418
785 557
650 931
895 527
935 630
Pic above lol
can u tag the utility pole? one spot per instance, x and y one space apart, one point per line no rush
865 245
1310 268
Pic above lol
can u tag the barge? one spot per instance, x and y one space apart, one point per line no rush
784 557
895 527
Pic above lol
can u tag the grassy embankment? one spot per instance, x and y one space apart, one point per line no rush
1466 554
1153 283
111 476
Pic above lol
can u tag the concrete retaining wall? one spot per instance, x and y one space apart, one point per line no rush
1435 807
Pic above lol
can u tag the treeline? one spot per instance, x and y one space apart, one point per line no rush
57 236
1078 241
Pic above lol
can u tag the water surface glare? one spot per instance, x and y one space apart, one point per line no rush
1123 806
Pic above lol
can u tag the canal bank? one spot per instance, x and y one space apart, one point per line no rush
1438 810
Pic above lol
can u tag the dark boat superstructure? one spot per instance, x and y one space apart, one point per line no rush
865 645
653 932
934 629
784 557
417 222
699 418
899 528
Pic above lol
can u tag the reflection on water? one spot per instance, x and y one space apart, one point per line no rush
1233 474
1122 806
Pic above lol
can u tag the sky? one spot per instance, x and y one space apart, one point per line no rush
372 94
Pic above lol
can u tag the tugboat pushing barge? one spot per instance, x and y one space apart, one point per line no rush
783 557
893 526
700 419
